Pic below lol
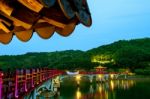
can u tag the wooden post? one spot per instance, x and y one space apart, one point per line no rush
37 76
25 80
16 84
1 84
32 77
44 74
43 71
40 74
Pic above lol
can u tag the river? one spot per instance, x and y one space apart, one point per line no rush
113 89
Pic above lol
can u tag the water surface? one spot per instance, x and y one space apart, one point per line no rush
113 89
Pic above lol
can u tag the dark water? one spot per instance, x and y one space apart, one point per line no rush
114 89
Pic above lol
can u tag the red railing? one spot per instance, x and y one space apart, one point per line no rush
14 85
94 72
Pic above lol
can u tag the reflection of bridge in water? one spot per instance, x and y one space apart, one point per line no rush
29 84
105 90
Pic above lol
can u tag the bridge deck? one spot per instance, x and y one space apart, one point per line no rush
16 84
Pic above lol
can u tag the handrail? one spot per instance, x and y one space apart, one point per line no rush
23 81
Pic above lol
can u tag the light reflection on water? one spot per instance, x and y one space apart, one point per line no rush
78 94
87 90
113 89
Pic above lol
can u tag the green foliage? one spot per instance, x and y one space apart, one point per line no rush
70 59
142 71
132 54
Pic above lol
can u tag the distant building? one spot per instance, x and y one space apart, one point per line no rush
101 69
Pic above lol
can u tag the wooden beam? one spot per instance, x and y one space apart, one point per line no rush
44 30
5 38
25 15
41 21
24 35
33 5
68 29
5 8
6 21
21 23
18 29
4 28
17 22
54 22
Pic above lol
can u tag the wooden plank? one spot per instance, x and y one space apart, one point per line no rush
5 8
5 38
44 30
41 21
18 29
55 14
8 79
33 5
54 22
4 28
24 35
24 14
21 76
68 29
17 22
6 22
20 23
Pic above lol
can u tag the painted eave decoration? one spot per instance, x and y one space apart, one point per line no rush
22 18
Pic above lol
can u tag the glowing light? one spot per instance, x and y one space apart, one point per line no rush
106 94
16 96
112 76
78 94
1 87
2 74
91 80
132 82
102 59
100 88
78 77
100 76
112 85
16 86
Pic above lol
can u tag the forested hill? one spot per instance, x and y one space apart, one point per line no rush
136 44
133 54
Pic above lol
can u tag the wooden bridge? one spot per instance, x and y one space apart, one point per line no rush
15 85
22 83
